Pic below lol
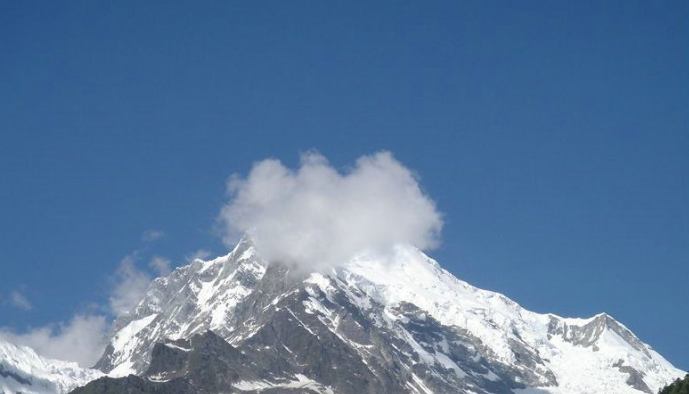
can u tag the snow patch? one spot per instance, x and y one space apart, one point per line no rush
299 382
173 346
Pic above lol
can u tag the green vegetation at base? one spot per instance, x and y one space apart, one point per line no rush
677 387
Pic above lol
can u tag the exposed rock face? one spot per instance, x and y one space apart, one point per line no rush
399 324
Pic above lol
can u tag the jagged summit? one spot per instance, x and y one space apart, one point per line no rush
192 299
394 323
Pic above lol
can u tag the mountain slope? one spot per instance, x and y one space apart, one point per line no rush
376 324
23 371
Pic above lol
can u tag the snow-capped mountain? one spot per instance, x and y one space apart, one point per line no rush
24 371
395 324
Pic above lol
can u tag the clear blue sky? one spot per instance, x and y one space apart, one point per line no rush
553 135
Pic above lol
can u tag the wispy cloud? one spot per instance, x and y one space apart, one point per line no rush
19 300
152 235
201 254
130 285
161 265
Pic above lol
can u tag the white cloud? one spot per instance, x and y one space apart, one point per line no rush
130 286
81 340
201 254
316 216
152 235
19 300
161 265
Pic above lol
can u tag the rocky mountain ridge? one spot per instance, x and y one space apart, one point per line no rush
396 323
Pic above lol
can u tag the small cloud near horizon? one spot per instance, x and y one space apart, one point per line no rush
81 340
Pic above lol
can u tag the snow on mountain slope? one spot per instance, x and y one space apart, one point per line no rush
586 355
24 371
193 299
403 319
301 382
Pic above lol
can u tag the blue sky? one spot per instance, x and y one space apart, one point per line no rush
552 135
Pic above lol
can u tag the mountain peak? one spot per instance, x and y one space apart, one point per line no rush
403 323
